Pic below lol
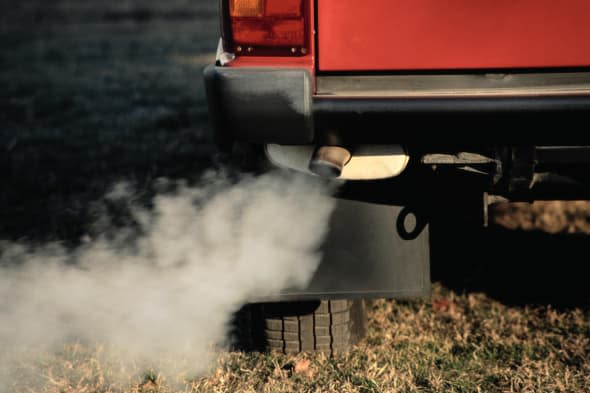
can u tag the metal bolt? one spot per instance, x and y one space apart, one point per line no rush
293 50
304 51
250 49
239 49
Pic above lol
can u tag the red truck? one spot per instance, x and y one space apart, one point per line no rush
431 110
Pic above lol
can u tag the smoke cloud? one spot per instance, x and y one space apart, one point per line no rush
166 287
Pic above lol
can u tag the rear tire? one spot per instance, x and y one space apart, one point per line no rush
330 326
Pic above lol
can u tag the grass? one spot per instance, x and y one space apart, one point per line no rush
448 343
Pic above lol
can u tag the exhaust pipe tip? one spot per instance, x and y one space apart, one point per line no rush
329 161
369 162
325 169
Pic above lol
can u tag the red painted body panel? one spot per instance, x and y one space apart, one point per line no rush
452 34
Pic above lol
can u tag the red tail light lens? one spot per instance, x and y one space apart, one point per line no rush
284 8
267 27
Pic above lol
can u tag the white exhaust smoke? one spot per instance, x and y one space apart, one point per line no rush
168 289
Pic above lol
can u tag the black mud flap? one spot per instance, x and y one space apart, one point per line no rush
372 250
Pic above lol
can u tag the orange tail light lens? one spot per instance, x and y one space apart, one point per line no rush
246 8
267 27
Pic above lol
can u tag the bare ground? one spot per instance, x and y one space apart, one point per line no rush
94 92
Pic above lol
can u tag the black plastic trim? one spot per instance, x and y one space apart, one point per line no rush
275 105
226 33
450 120
448 105
260 105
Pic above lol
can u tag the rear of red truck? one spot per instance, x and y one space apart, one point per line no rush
425 105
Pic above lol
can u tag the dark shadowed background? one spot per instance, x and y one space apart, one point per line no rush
92 93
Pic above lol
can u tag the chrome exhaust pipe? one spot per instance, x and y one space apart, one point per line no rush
365 162
329 161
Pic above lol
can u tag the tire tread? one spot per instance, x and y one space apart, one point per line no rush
329 326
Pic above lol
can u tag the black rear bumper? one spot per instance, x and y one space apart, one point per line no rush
452 121
267 105
261 105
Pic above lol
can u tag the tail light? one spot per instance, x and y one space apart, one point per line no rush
267 27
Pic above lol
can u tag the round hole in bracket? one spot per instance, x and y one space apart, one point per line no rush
409 224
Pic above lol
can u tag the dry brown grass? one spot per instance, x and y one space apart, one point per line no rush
449 343
548 216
